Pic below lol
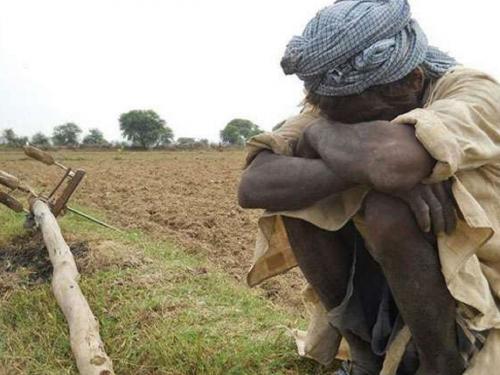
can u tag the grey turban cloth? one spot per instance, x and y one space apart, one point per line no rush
356 44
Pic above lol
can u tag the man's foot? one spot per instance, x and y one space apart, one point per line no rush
363 361
349 368
453 368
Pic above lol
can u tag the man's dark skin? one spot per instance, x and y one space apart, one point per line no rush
358 146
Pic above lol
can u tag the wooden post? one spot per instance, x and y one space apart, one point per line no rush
86 343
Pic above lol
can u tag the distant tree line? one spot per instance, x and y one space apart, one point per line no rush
142 129
66 135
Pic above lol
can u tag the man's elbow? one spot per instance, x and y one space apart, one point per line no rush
246 192
399 172
394 159
387 179
244 198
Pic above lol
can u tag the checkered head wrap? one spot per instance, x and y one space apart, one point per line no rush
356 44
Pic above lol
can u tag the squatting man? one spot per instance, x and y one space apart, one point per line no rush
385 191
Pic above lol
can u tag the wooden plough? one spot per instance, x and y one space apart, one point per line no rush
85 340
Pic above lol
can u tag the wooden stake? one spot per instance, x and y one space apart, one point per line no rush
86 343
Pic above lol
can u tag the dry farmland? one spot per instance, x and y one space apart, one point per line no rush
185 197
170 292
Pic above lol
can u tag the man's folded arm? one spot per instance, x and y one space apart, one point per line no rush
377 154
282 183
460 128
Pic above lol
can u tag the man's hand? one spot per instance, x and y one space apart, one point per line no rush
433 207
388 158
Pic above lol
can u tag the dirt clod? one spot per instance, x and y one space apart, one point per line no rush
25 260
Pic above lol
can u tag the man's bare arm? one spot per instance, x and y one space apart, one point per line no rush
386 157
277 182
378 154
389 159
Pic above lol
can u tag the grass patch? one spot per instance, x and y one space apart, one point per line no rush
170 314
11 225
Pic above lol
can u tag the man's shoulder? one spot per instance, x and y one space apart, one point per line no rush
465 71
462 74
299 121
284 137
464 83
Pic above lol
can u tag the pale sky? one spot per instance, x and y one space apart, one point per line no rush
198 63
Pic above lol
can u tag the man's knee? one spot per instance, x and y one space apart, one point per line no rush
387 220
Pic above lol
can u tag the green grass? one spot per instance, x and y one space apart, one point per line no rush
174 314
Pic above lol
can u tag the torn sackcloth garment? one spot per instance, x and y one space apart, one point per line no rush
458 126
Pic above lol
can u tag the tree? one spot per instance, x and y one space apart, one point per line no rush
9 136
94 138
187 143
66 135
145 128
166 137
12 140
237 131
184 141
40 140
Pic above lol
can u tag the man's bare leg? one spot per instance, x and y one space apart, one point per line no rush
325 258
412 268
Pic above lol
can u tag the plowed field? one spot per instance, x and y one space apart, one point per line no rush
186 197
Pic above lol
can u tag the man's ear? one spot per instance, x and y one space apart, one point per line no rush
417 80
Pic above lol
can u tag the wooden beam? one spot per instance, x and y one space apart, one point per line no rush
86 343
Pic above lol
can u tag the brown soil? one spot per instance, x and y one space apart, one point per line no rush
186 197
25 261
